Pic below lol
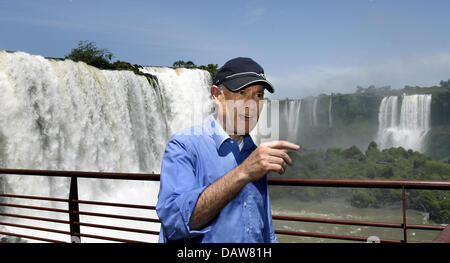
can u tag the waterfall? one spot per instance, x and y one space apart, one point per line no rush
292 117
63 115
187 94
314 113
279 120
388 112
408 128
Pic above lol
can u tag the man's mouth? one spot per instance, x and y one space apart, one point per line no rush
245 116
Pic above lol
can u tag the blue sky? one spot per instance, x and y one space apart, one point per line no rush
305 47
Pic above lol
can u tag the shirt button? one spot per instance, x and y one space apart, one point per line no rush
245 204
248 229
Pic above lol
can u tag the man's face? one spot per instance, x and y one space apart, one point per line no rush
240 109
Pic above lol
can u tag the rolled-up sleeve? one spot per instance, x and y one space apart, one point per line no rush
179 192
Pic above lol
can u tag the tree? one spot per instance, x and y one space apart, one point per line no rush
190 64
211 68
178 64
89 53
445 84
183 64
359 89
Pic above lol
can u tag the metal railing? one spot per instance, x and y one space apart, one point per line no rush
74 212
358 183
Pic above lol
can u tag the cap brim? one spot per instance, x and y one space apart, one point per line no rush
243 82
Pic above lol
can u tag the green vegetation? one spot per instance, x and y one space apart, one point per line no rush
356 108
211 68
390 164
89 53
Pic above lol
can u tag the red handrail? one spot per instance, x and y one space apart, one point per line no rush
74 212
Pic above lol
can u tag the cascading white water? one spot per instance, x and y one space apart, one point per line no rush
293 119
408 128
64 115
387 121
186 94
314 113
388 116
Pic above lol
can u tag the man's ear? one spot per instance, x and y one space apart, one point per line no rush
215 93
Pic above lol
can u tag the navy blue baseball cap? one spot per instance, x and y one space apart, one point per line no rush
239 73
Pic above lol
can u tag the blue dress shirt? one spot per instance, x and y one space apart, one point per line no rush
193 159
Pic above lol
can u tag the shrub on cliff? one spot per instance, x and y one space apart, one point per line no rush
101 58
211 68
90 54
354 153
362 200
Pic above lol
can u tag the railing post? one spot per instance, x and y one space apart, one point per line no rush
73 206
404 215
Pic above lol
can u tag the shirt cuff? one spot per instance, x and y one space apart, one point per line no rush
186 203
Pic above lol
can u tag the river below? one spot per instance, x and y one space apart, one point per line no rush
340 209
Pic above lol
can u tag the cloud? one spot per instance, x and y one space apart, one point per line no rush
418 70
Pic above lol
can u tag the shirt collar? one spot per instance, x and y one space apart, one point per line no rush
216 131
219 135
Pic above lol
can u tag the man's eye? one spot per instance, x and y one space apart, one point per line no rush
241 92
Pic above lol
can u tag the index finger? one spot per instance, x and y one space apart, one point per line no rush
281 145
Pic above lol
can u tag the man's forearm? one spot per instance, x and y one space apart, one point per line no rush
216 196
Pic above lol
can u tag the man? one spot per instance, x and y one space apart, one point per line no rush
213 182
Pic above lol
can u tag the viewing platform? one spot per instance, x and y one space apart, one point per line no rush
75 234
